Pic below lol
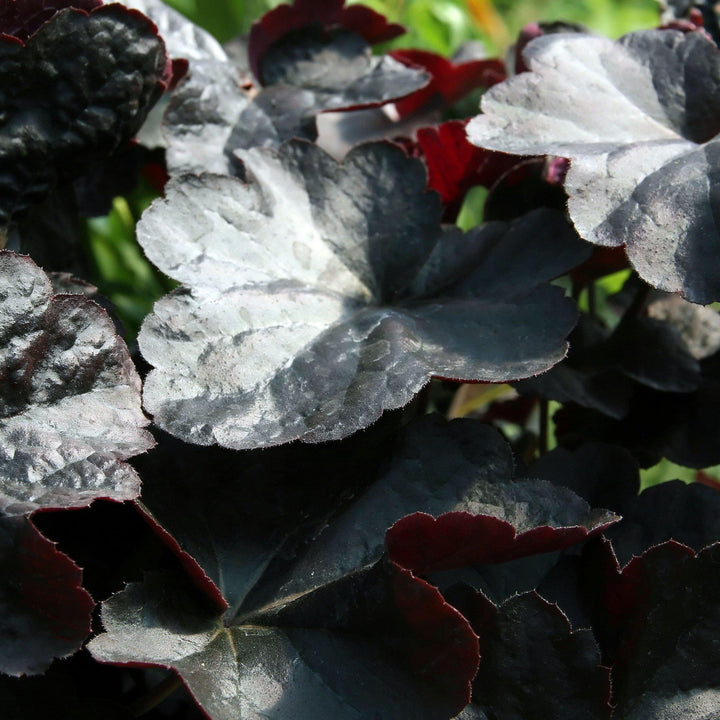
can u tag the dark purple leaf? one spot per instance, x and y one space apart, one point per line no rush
69 398
339 297
45 613
689 514
302 14
637 119
603 369
533 666
310 70
527 184
663 618
457 470
450 82
80 89
28 698
380 643
338 67
22 18
50 232
603 475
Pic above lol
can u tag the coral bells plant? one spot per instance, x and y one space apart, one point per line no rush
321 399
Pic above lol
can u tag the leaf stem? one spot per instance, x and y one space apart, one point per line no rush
638 303
153 697
544 418
592 300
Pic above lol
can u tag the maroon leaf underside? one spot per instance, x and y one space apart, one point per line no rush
450 81
425 544
454 165
46 612
277 23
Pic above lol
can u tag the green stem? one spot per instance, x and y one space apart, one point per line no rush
544 420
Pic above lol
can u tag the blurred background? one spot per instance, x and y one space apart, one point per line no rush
442 25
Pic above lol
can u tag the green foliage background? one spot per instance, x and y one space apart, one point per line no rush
442 25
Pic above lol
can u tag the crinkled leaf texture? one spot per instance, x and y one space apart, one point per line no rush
317 295
638 119
69 398
182 38
81 87
44 613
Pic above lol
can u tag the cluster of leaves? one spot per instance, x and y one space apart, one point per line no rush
299 536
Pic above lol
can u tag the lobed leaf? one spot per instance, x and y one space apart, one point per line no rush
532 664
383 644
45 612
69 398
639 129
58 120
341 296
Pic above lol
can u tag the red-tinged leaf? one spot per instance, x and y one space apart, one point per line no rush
288 540
640 160
425 544
22 18
377 643
46 613
454 165
450 81
281 21
533 666
658 620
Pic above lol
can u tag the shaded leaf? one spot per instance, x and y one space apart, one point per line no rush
638 128
72 120
341 296
22 18
45 612
69 397
532 664
663 613
302 531
604 475
380 644
688 514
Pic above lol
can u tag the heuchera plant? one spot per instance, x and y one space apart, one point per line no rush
324 480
